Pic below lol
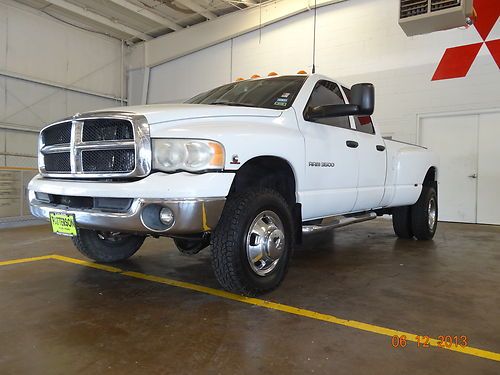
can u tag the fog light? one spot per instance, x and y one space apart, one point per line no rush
166 216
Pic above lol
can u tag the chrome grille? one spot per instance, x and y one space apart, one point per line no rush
59 162
107 130
57 134
106 145
108 161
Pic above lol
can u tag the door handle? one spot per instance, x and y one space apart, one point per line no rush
473 175
352 144
380 148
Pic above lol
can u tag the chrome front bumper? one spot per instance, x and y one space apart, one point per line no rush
190 215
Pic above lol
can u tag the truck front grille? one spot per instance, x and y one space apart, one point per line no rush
107 130
108 161
57 134
116 145
59 162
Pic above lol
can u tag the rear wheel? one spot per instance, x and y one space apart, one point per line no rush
401 221
252 242
424 214
107 247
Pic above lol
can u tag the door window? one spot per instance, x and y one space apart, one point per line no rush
327 93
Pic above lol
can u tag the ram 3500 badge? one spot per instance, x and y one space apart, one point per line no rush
245 168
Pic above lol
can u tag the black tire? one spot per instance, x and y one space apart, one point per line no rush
104 248
424 228
231 265
191 247
401 222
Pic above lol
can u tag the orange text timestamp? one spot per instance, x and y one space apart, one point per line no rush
443 341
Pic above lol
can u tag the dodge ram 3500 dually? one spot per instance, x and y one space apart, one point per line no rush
245 168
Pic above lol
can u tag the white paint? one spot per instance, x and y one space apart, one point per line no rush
488 202
372 171
467 145
179 185
454 139
250 132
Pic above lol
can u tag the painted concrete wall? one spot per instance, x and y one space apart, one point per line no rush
357 41
39 59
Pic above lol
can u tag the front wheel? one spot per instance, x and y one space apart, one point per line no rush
107 247
252 242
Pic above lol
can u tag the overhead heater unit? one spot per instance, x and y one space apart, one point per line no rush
425 16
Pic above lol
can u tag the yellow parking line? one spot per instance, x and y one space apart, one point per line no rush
266 304
24 260
85 263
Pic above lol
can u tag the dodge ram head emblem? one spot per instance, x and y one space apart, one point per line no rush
235 159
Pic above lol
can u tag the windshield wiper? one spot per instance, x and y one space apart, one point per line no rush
235 104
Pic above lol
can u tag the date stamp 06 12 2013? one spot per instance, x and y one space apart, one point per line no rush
425 341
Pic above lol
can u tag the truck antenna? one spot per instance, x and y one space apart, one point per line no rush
314 39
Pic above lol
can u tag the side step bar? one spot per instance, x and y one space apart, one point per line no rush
338 221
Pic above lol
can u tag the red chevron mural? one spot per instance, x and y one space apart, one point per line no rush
457 61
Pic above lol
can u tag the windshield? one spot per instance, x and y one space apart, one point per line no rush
273 93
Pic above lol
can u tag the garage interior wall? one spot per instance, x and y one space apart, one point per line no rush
48 71
357 41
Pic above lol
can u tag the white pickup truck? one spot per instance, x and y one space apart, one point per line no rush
246 168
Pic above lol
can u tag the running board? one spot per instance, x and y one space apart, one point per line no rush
338 221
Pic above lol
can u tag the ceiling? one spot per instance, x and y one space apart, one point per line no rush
138 20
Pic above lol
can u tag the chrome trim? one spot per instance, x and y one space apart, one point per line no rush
338 221
265 242
106 145
56 149
141 144
191 215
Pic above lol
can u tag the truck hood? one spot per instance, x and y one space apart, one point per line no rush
160 113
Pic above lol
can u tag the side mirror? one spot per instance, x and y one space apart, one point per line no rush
363 95
362 104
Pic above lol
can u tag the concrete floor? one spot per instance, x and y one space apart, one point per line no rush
58 317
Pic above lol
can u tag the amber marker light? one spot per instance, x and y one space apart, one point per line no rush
272 74
255 76
239 79
218 154
301 72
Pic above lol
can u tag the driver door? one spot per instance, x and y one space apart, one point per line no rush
331 157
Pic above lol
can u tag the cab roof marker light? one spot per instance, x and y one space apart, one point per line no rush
255 76
301 72
239 79
272 74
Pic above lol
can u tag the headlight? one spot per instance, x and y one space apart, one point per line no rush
192 155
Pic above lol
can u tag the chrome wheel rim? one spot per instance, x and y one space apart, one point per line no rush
432 213
265 242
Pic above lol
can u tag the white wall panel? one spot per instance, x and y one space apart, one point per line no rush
190 75
94 64
281 47
30 104
135 86
40 47
76 102
21 143
39 58
3 37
